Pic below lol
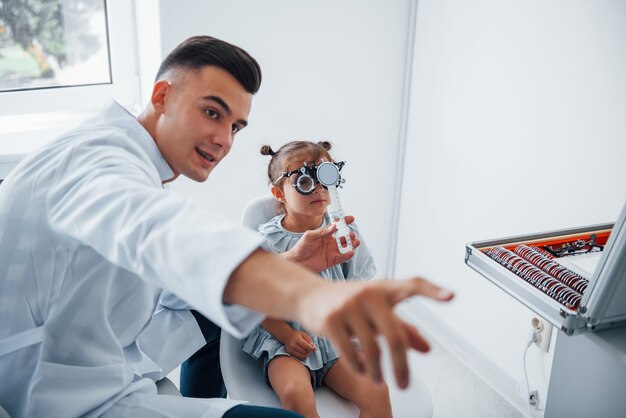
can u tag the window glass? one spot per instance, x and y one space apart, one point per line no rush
101 63
53 43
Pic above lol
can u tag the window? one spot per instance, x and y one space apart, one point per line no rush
58 43
65 56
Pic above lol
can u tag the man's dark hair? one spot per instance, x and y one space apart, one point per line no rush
201 51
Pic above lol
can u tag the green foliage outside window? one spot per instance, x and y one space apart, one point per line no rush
36 40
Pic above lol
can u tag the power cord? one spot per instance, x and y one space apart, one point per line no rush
531 398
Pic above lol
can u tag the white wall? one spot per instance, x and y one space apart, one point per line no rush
331 70
516 126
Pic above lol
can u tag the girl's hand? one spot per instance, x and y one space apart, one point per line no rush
299 345
317 249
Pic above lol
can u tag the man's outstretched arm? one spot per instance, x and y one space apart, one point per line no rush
266 283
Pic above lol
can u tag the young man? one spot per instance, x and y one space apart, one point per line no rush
91 245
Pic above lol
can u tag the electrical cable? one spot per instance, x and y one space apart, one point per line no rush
533 337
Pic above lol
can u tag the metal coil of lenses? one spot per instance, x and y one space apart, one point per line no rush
534 268
536 256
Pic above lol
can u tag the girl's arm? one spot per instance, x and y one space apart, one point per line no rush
297 343
279 328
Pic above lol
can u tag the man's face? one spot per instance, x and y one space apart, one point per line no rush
199 114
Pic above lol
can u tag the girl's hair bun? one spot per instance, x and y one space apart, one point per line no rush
325 144
267 150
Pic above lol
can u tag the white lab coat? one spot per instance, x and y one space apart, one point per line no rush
88 241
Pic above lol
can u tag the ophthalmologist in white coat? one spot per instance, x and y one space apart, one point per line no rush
90 241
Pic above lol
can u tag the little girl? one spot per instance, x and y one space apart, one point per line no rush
294 360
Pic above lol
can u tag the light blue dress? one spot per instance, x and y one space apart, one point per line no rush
360 267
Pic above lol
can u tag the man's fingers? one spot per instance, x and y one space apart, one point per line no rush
314 234
355 240
365 310
340 336
398 333
340 258
363 330
416 340
431 290
328 230
349 219
417 286
394 331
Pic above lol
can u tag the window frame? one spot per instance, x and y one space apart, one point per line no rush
20 108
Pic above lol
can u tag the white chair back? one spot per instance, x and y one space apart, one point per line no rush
243 375
259 211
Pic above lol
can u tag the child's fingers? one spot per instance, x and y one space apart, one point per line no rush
306 345
299 354
308 340
298 350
